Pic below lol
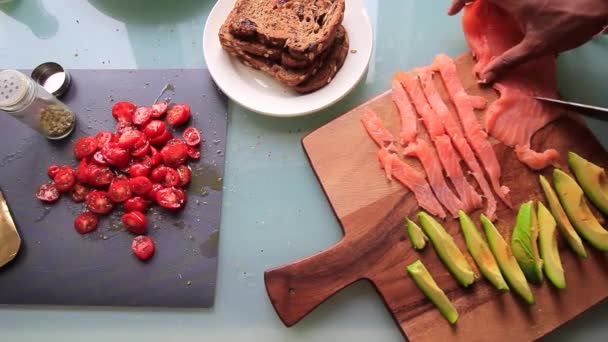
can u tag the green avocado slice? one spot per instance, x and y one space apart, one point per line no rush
563 223
429 287
547 244
573 200
447 250
592 179
506 261
524 243
480 252
416 234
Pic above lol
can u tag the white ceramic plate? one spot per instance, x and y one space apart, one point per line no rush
261 93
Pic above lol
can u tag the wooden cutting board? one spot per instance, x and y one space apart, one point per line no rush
375 245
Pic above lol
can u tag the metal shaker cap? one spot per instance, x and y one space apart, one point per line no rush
53 78
13 88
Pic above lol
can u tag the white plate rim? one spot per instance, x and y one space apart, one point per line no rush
355 11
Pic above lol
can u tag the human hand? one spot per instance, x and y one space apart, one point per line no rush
549 27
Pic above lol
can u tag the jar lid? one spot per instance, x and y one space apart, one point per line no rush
13 88
53 78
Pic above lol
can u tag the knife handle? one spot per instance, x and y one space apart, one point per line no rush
296 289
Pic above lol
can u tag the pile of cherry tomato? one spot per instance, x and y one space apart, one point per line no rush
138 165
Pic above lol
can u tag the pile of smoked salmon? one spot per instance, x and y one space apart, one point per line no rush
459 143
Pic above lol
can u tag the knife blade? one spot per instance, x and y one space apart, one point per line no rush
593 111
10 241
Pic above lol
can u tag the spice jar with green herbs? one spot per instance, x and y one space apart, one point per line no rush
24 99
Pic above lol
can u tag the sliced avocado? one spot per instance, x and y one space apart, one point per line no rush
563 223
592 179
547 244
574 203
481 253
506 261
428 286
524 243
416 234
447 250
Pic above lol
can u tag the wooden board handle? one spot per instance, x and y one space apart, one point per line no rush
296 289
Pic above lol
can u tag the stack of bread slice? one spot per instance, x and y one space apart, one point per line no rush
301 43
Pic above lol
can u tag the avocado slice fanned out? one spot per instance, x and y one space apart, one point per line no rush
575 205
416 234
524 243
547 244
592 179
481 253
506 261
448 251
563 223
429 287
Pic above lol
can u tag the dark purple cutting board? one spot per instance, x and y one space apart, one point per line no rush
56 265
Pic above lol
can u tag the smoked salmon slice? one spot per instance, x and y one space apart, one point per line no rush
451 163
413 180
448 157
432 166
452 81
473 132
453 130
377 131
406 113
489 32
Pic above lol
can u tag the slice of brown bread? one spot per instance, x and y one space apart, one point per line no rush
302 80
258 49
333 63
304 28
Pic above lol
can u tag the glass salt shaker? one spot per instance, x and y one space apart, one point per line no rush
24 99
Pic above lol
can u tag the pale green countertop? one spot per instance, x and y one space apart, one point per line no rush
274 210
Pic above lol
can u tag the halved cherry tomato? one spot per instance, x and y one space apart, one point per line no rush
192 136
86 223
162 139
79 192
65 179
156 158
124 126
140 185
135 222
105 137
151 195
159 173
52 171
123 111
116 155
130 138
184 175
137 170
141 148
159 108
174 155
99 176
82 172
99 202
171 198
98 159
119 190
143 247
47 193
178 114
136 204
171 178
155 128
142 115
194 152
85 147
143 160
